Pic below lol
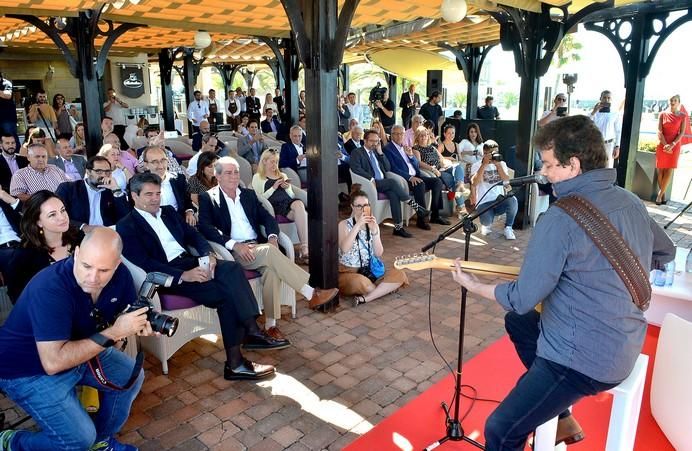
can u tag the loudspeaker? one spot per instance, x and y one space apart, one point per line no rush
434 82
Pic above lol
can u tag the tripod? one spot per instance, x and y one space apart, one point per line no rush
455 432
687 207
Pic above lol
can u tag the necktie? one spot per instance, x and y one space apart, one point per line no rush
375 166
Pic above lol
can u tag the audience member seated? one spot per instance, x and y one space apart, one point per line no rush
343 159
429 126
198 139
293 154
204 178
11 161
405 164
379 129
353 122
47 237
39 175
276 187
10 217
432 161
156 138
51 335
156 238
410 134
77 141
209 144
359 238
251 146
369 162
126 159
35 135
471 151
356 139
106 126
232 216
71 165
242 128
119 172
449 150
271 123
484 175
97 200
174 191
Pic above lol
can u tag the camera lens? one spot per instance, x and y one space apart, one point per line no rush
164 324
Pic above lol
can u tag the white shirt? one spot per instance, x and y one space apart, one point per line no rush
299 149
242 229
192 164
7 233
71 170
490 176
116 113
466 146
167 195
610 126
243 105
94 205
197 110
355 110
170 246
411 169
228 107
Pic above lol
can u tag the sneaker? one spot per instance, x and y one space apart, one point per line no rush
112 445
6 438
509 233
485 230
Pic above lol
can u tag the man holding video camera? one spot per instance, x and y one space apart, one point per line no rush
63 328
383 107
610 125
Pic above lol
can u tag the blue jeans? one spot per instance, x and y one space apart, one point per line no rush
53 404
450 177
510 207
545 391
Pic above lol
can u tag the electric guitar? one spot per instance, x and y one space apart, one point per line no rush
417 262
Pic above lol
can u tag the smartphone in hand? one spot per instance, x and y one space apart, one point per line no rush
367 211
204 263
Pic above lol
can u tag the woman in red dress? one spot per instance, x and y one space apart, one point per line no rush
671 130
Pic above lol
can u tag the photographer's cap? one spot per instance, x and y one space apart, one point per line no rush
490 144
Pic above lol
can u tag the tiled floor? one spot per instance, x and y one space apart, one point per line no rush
346 371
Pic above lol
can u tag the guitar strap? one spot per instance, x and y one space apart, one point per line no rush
612 245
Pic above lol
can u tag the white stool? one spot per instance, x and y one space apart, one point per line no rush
624 415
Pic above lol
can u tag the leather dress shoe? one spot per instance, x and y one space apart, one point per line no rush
323 298
568 431
261 342
247 370
421 224
402 232
439 220
275 333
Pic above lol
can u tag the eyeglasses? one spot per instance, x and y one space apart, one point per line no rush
102 171
561 99
360 207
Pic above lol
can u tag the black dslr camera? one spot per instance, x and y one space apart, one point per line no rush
164 324
496 156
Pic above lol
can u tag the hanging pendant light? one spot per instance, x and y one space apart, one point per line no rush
202 39
453 10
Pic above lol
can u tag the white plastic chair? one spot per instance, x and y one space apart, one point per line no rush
139 142
226 136
179 148
624 414
671 392
245 170
295 179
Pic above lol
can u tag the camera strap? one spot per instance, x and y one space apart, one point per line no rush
98 373
50 133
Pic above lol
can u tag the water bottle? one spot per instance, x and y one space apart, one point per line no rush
660 278
670 273
688 265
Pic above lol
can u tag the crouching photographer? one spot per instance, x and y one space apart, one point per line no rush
56 338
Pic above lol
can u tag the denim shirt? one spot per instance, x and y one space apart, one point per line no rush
588 320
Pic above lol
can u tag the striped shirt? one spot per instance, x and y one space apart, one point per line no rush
28 180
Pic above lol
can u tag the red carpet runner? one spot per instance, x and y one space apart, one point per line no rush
493 373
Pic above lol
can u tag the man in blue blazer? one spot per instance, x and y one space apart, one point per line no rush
250 246
72 165
271 124
97 188
293 154
405 164
174 189
155 238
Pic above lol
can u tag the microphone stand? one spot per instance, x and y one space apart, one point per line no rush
455 432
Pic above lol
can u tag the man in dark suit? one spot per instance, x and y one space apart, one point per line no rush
9 226
98 188
271 123
205 129
252 106
155 238
72 165
174 190
292 154
250 247
369 162
10 162
408 104
280 101
405 164
356 139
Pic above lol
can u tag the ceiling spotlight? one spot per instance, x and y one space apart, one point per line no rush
202 39
60 23
453 10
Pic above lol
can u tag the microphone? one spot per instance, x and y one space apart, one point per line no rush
525 180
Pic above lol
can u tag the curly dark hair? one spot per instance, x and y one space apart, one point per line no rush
31 232
574 136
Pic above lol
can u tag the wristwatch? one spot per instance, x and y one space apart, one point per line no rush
102 340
